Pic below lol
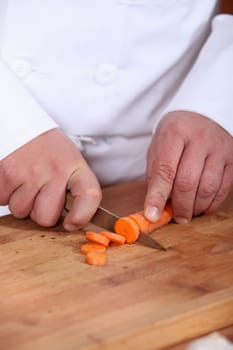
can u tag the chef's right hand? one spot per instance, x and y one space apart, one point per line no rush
34 180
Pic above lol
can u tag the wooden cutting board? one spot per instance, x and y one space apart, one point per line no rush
143 299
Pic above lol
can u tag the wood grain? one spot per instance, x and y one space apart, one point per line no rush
226 6
143 299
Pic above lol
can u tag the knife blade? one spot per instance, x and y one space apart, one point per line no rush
106 219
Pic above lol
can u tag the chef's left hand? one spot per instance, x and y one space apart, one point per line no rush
190 159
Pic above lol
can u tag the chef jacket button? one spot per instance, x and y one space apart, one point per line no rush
105 74
21 67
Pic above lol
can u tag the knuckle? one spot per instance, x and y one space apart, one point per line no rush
7 175
208 190
165 171
175 125
156 199
57 168
176 128
35 170
93 193
185 184
7 184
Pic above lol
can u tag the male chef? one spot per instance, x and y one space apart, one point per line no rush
94 93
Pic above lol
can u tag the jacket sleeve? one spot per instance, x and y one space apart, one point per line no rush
208 88
21 117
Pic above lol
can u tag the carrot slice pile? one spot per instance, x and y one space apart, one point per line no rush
97 238
114 237
92 247
98 259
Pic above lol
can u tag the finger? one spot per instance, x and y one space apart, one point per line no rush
209 183
86 194
22 200
8 184
49 204
163 160
224 189
186 183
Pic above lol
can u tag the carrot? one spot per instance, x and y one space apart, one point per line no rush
144 225
113 237
166 216
92 247
98 259
97 238
128 228
125 227
149 226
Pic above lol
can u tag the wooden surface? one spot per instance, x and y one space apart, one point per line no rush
226 6
144 299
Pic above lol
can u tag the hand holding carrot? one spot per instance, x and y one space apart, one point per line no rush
190 159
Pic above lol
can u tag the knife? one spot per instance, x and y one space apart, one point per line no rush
106 219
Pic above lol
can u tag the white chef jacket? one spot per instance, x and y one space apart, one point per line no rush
105 72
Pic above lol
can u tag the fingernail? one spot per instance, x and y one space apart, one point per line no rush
181 220
152 213
70 227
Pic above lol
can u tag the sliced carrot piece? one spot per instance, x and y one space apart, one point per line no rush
97 259
128 228
97 238
144 225
92 247
113 237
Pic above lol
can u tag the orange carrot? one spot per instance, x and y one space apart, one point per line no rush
92 247
149 226
128 228
144 225
98 259
166 216
131 225
97 238
113 237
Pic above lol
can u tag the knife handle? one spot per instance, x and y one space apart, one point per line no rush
68 201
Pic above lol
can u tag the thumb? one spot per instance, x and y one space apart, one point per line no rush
86 196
